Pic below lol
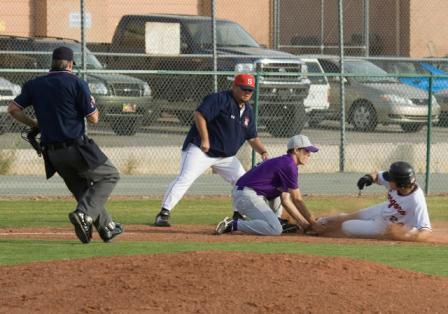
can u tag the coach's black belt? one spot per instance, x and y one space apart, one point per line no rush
65 144
240 188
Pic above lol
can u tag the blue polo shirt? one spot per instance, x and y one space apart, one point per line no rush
226 128
272 177
60 100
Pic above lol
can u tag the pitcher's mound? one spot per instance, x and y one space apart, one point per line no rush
218 282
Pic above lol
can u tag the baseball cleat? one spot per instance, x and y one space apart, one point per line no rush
224 226
162 218
82 224
111 231
237 215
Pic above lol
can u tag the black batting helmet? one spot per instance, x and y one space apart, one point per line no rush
401 173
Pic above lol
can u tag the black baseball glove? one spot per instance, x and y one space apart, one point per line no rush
31 136
287 227
365 180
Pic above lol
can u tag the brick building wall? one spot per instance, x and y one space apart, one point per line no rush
429 28
405 27
57 17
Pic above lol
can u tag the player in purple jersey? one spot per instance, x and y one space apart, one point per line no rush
276 177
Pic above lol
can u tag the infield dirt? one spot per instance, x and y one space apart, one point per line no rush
219 282
214 282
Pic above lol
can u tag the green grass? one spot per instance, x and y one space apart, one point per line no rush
430 259
422 258
53 213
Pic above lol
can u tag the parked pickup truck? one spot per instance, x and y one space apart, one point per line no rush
184 43
8 91
125 102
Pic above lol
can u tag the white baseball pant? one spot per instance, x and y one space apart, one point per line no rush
263 220
370 224
195 162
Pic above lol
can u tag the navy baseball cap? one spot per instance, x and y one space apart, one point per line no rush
63 53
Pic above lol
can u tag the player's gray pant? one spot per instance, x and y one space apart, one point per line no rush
90 187
263 220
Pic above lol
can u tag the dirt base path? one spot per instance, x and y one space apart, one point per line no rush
217 282
201 233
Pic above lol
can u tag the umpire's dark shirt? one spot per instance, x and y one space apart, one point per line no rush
60 100
226 128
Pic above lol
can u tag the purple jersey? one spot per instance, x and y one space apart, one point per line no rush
272 177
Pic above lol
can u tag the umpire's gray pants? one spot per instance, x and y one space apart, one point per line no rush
90 187
263 220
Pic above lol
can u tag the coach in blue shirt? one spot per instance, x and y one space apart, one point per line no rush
223 122
61 101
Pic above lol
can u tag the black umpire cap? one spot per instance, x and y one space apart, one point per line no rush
63 53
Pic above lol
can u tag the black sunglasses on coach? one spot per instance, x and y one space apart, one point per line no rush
250 90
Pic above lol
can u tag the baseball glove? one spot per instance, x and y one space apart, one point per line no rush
31 136
288 227
365 180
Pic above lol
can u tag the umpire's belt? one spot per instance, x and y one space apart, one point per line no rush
65 144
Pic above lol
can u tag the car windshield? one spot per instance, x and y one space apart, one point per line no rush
441 65
411 68
313 67
228 34
91 61
367 68
406 67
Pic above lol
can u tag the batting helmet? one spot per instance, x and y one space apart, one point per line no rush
401 173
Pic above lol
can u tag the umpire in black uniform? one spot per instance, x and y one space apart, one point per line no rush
61 101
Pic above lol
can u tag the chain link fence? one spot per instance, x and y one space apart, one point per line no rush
148 66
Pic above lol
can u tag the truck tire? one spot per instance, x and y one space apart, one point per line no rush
126 125
291 124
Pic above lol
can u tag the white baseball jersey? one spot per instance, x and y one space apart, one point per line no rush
410 210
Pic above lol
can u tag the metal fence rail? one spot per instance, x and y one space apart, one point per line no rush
146 148
149 70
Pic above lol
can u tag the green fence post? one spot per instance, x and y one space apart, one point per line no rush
256 104
428 137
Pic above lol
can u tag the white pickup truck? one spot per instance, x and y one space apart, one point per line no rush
8 91
316 103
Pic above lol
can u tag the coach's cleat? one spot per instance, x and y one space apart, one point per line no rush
110 231
224 226
82 224
162 218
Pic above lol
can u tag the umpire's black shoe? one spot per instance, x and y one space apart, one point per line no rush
110 231
162 218
82 224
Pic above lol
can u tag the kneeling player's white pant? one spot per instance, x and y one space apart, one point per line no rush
195 162
371 223
263 220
